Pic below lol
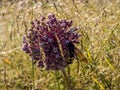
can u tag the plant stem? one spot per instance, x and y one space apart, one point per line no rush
33 75
5 80
67 80
57 73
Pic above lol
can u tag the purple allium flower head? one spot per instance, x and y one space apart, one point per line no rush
46 42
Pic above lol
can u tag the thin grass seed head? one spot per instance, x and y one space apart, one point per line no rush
49 35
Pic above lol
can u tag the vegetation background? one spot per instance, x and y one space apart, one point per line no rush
99 24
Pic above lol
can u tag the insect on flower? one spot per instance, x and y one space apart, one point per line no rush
74 53
50 42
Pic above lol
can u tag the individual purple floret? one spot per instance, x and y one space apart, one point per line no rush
46 42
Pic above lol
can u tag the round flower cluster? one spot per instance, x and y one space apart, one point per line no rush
46 42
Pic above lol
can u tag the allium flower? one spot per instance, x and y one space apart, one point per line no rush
46 42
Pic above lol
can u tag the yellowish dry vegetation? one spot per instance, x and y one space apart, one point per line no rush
99 24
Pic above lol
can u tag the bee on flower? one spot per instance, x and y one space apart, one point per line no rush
51 43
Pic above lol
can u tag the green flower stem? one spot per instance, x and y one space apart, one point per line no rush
33 76
57 73
67 80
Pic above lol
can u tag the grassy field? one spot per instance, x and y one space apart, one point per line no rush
99 25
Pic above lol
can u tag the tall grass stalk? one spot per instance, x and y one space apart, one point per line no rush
5 78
